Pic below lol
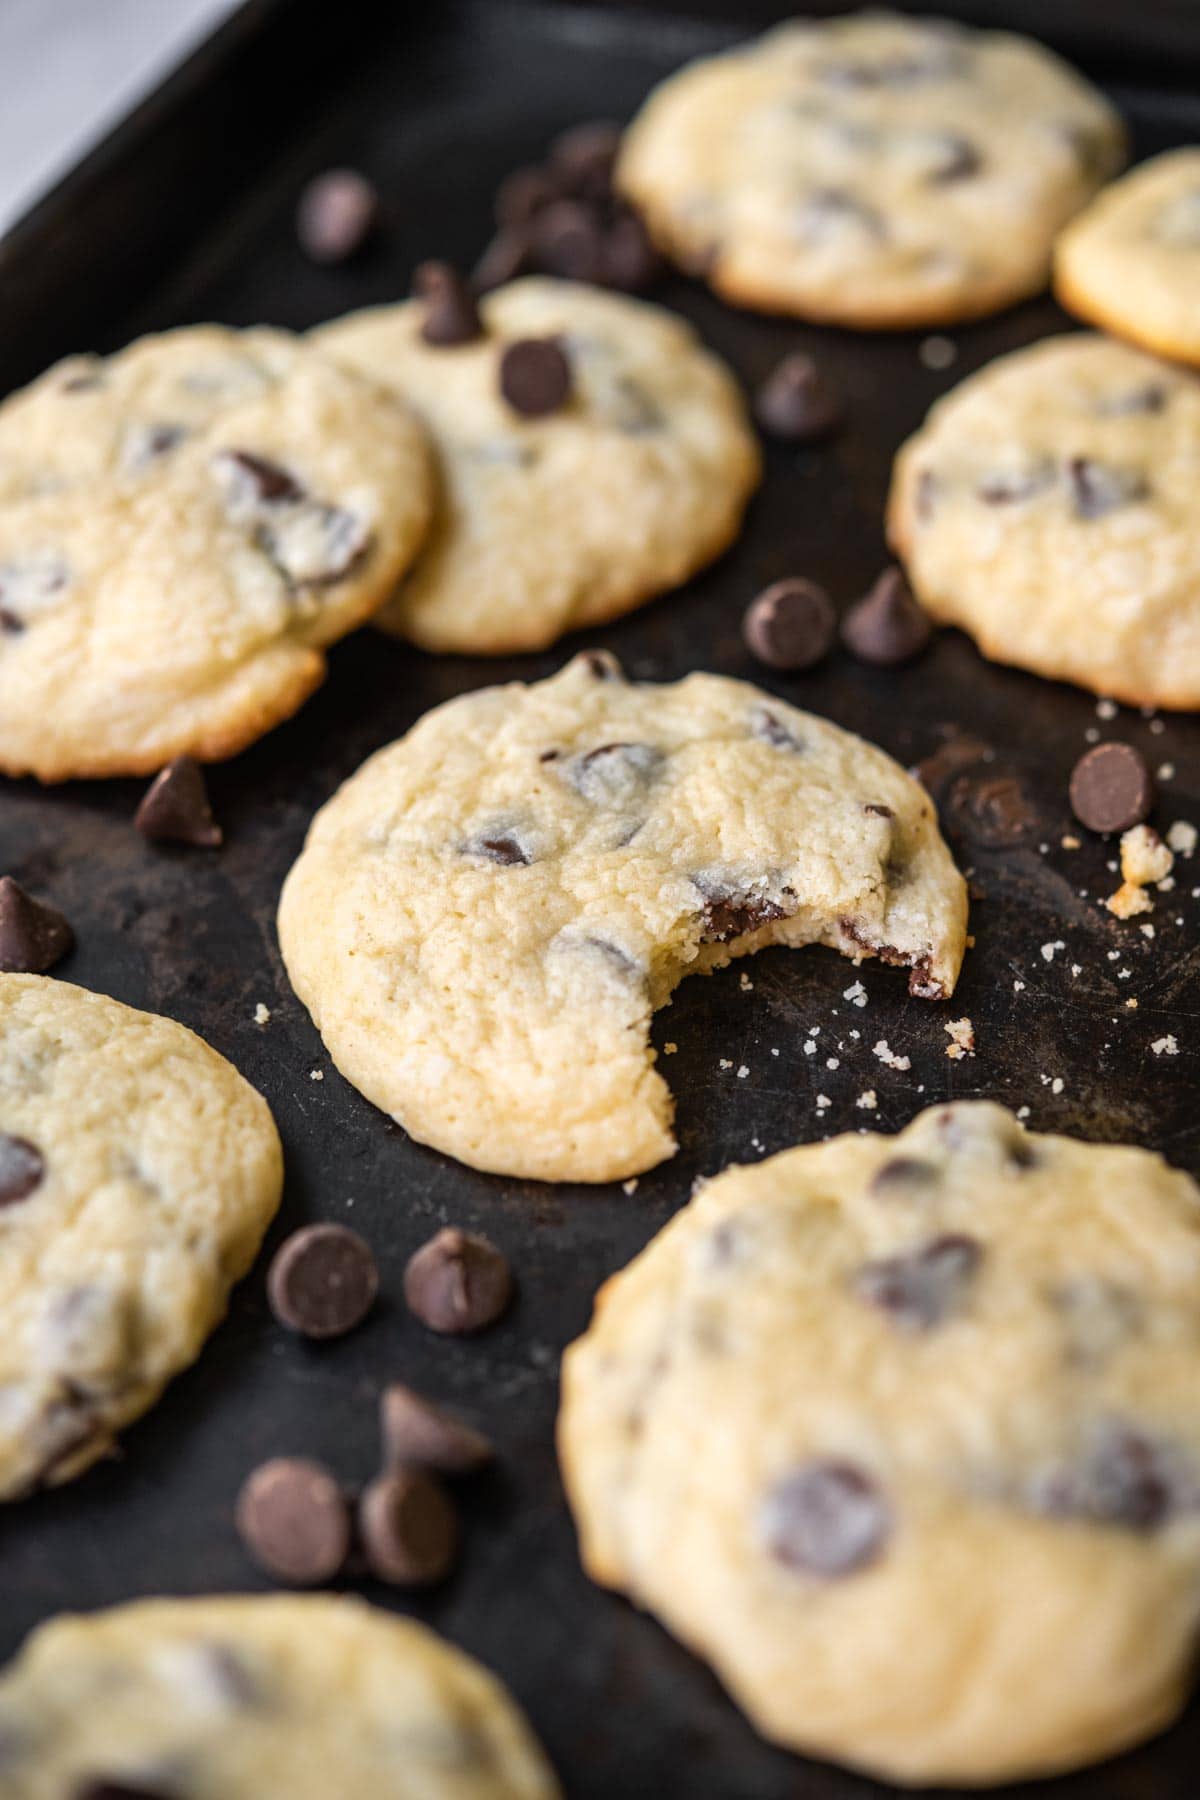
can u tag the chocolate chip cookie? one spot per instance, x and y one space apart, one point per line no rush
592 454
309 1696
138 1173
1047 506
484 918
901 1434
872 171
184 528
1131 261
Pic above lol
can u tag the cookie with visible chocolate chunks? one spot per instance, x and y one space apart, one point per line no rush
900 1434
184 528
592 454
138 1173
485 916
1130 262
1047 506
870 170
244 1697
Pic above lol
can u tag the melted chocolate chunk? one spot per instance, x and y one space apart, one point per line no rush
992 810
22 1168
791 625
958 160
886 627
829 211
1125 1478
313 545
615 774
1098 488
1010 487
878 810
259 480
147 444
827 1518
768 726
175 808
730 912
921 1288
1111 788
33 935
797 403
902 1175
503 847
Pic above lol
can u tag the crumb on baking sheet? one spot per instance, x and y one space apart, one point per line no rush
961 1033
1050 950
262 1014
867 1100
316 1074
1144 859
1166 1046
888 1057
857 993
1181 836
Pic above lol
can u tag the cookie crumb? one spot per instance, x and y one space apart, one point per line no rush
823 1102
1106 709
888 1057
1166 771
1165 1046
810 1046
1131 1003
857 993
745 983
630 1186
262 1014
1144 859
1049 950
316 1074
742 1073
1071 843
1181 836
1022 1112
868 1100
961 1033
1018 987
670 1049
724 1063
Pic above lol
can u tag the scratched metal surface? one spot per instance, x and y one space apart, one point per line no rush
435 112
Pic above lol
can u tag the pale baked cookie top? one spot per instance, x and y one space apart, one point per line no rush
901 1434
303 1696
138 1173
1048 506
870 170
184 527
548 524
485 916
1131 260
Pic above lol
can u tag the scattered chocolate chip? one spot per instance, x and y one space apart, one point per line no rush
535 376
408 1529
508 255
293 1519
886 627
730 912
175 808
1111 788
585 156
903 1174
524 193
260 480
33 935
921 1288
458 1282
791 625
502 847
766 724
416 1433
451 315
827 1518
21 1168
615 774
337 213
322 1281
958 160
569 241
797 402
1098 488
992 810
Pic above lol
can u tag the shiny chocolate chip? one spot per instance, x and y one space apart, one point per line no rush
886 627
921 1288
293 1519
322 1281
175 807
418 1434
1011 487
336 214
458 1282
797 403
1111 788
729 912
1125 1478
791 625
450 313
827 1518
33 935
535 376
22 1168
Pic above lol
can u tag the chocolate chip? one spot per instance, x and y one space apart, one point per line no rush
100 1787
408 1528
790 625
828 212
797 402
22 1168
958 160
1010 487
903 1174
628 259
260 480
524 193
615 774
1098 488
584 157
313 545
33 935
730 912
568 241
1124 1478
827 1518
766 724
1111 788
27 585
508 255
451 315
416 1433
175 808
147 444
992 810
293 1519
458 1282
322 1281
887 626
921 1288
535 376
1151 398
336 215
502 847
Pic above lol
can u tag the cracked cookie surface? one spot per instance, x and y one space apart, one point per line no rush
138 1173
184 528
900 1434
485 916
870 171
547 525
1047 506
1131 261
303 1695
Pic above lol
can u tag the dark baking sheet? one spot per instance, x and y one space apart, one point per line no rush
186 215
